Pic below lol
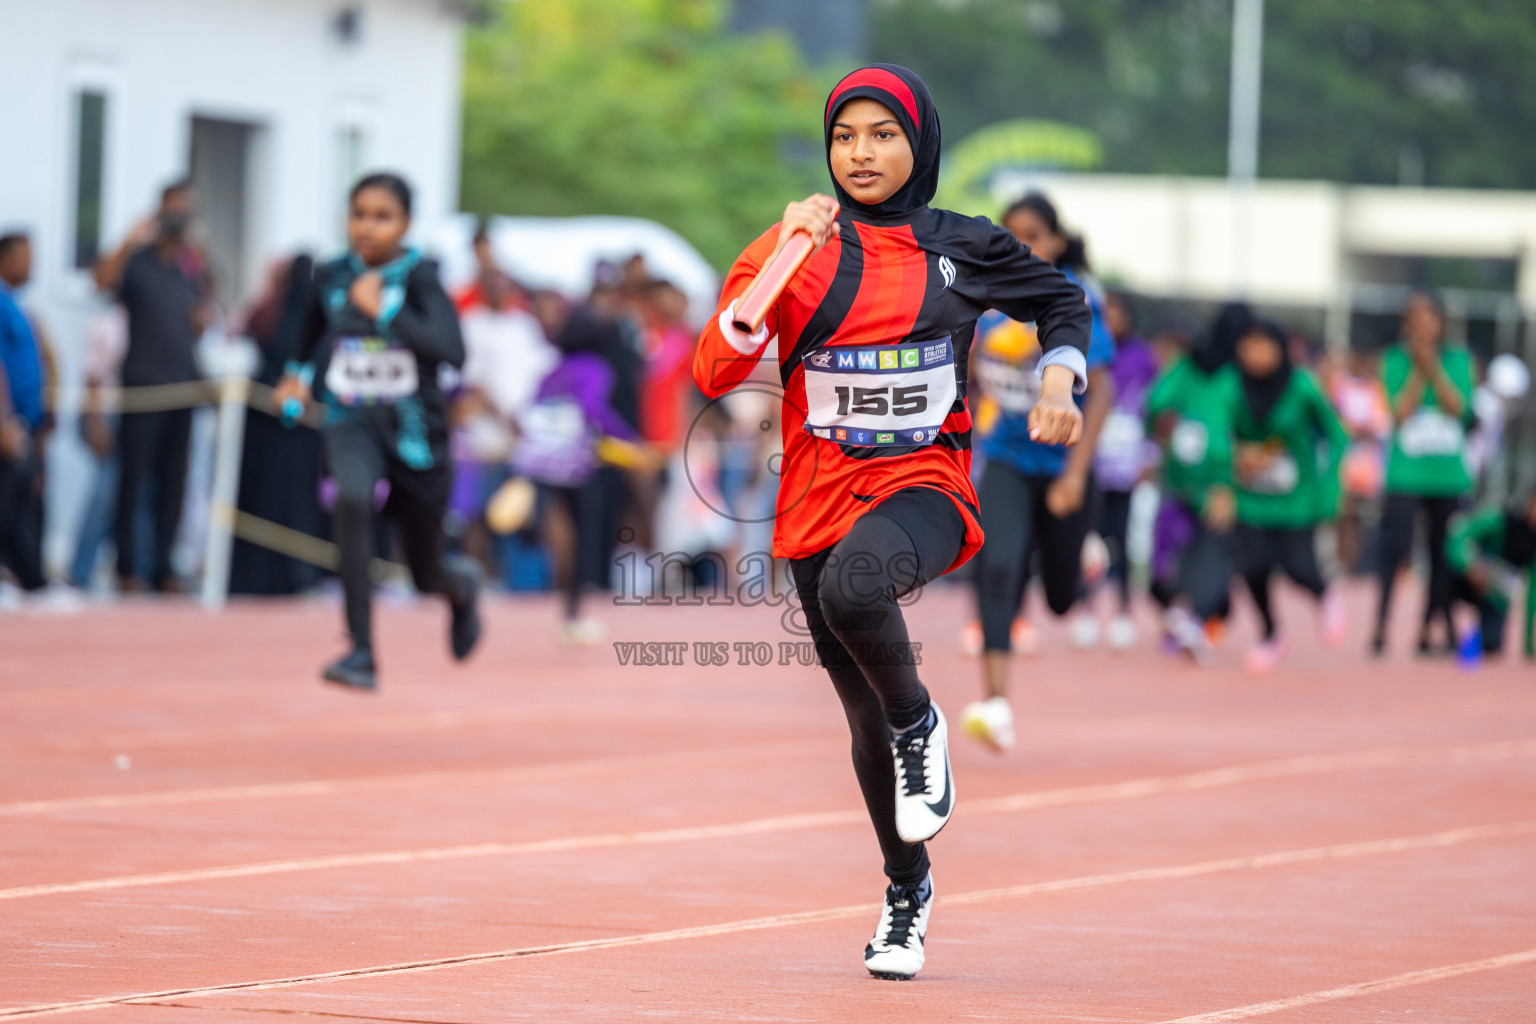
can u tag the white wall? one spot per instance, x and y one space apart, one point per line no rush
274 63
1185 237
1447 223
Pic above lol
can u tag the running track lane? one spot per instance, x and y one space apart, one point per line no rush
1184 871
1313 707
1129 790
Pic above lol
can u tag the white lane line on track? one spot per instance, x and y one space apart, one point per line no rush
1291 767
49 742
620 706
786 823
1303 765
324 787
1129 790
1363 988
1340 851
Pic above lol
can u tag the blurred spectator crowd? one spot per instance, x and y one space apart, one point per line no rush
578 434
608 372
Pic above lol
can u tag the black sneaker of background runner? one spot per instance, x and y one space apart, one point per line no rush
464 633
355 670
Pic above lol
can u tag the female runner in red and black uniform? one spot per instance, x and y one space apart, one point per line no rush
875 497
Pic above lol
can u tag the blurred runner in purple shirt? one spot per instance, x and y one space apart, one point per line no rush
1125 453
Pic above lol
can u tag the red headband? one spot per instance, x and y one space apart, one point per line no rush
877 78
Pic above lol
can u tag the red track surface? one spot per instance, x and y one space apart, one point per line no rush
545 835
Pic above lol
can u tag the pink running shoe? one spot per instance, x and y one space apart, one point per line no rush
1335 619
1263 657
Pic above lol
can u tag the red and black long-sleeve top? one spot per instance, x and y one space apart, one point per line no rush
925 279
874 337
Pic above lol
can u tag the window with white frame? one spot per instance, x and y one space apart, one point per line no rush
90 118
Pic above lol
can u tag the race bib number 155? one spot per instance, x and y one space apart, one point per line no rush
887 395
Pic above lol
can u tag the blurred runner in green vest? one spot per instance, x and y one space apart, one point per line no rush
1287 444
1493 553
1429 388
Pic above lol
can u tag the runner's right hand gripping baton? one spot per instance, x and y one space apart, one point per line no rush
292 409
771 282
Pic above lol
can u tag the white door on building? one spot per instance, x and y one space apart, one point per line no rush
224 177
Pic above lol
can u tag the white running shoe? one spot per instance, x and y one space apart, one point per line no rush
1122 633
925 787
1085 631
55 599
990 722
1187 633
896 951
582 632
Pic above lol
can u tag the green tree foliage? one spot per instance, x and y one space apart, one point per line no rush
646 108
1376 91
1401 90
1146 76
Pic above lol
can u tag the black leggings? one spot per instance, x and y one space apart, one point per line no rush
1017 523
1203 576
153 449
1115 528
1397 528
1263 550
358 454
21 520
849 594
595 509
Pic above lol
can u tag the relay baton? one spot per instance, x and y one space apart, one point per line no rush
624 454
771 282
292 409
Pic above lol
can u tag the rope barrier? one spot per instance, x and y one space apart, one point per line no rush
230 394
193 393
296 544
226 521
158 397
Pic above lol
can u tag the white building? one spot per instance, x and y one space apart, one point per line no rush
271 106
1338 248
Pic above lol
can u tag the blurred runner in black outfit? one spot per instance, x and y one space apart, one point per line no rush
378 328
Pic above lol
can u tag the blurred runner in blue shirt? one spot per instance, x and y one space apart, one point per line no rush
1034 497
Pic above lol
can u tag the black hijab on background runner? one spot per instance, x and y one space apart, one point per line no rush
1263 392
907 97
1217 348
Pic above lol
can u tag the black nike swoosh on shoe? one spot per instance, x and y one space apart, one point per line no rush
941 807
